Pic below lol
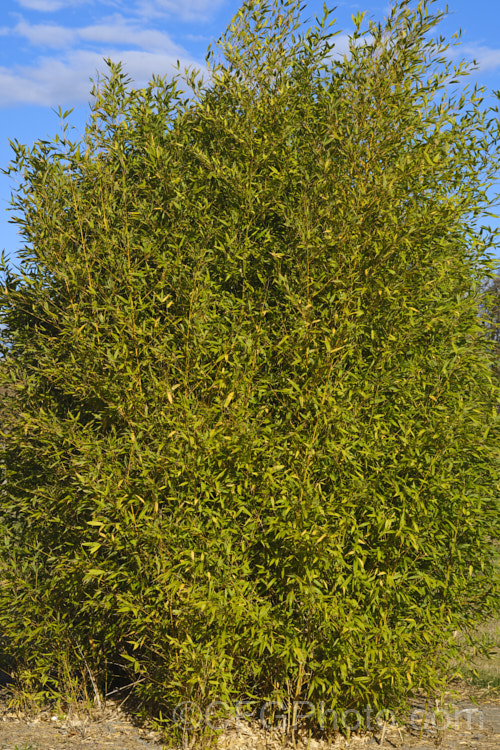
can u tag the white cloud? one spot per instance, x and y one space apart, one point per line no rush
119 31
186 10
49 6
341 48
342 44
45 35
65 81
486 57
50 83
115 30
141 65
62 77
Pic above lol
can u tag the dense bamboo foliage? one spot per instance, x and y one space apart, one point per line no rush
492 306
251 445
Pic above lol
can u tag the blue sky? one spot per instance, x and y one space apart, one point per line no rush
50 48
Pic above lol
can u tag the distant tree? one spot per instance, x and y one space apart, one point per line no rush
252 449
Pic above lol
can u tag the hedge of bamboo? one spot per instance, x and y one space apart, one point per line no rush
250 446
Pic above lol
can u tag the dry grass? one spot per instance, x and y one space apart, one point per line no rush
484 669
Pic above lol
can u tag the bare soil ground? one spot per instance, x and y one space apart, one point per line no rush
459 724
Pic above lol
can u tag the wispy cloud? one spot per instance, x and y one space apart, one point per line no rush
65 81
65 58
187 10
341 47
120 31
44 34
49 6
486 57
115 30
343 44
